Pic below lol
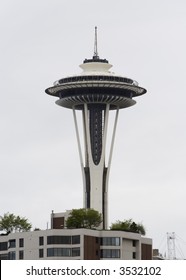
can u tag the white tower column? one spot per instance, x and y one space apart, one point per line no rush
95 175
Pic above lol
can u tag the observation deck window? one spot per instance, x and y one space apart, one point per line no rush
96 78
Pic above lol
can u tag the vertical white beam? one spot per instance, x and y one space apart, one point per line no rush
112 144
78 138
85 138
80 155
104 193
108 170
87 134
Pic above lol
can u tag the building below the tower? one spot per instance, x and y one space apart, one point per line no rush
59 243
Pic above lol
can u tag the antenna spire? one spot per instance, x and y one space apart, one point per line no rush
95 57
95 45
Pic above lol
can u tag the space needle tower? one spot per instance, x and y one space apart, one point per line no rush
95 92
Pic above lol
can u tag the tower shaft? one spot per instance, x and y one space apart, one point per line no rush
94 169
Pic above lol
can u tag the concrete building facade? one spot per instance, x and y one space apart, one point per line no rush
75 244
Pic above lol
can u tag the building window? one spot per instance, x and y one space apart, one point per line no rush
134 255
58 239
134 243
76 239
3 256
12 255
110 241
110 253
41 240
12 243
41 255
75 252
59 252
3 246
21 255
21 242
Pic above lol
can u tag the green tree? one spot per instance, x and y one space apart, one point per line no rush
129 225
11 223
7 222
83 218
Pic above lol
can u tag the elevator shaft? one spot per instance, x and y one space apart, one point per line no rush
96 126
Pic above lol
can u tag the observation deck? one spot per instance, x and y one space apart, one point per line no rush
96 84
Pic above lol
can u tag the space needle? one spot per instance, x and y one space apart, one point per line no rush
95 92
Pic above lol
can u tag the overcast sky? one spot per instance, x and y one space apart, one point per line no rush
45 40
